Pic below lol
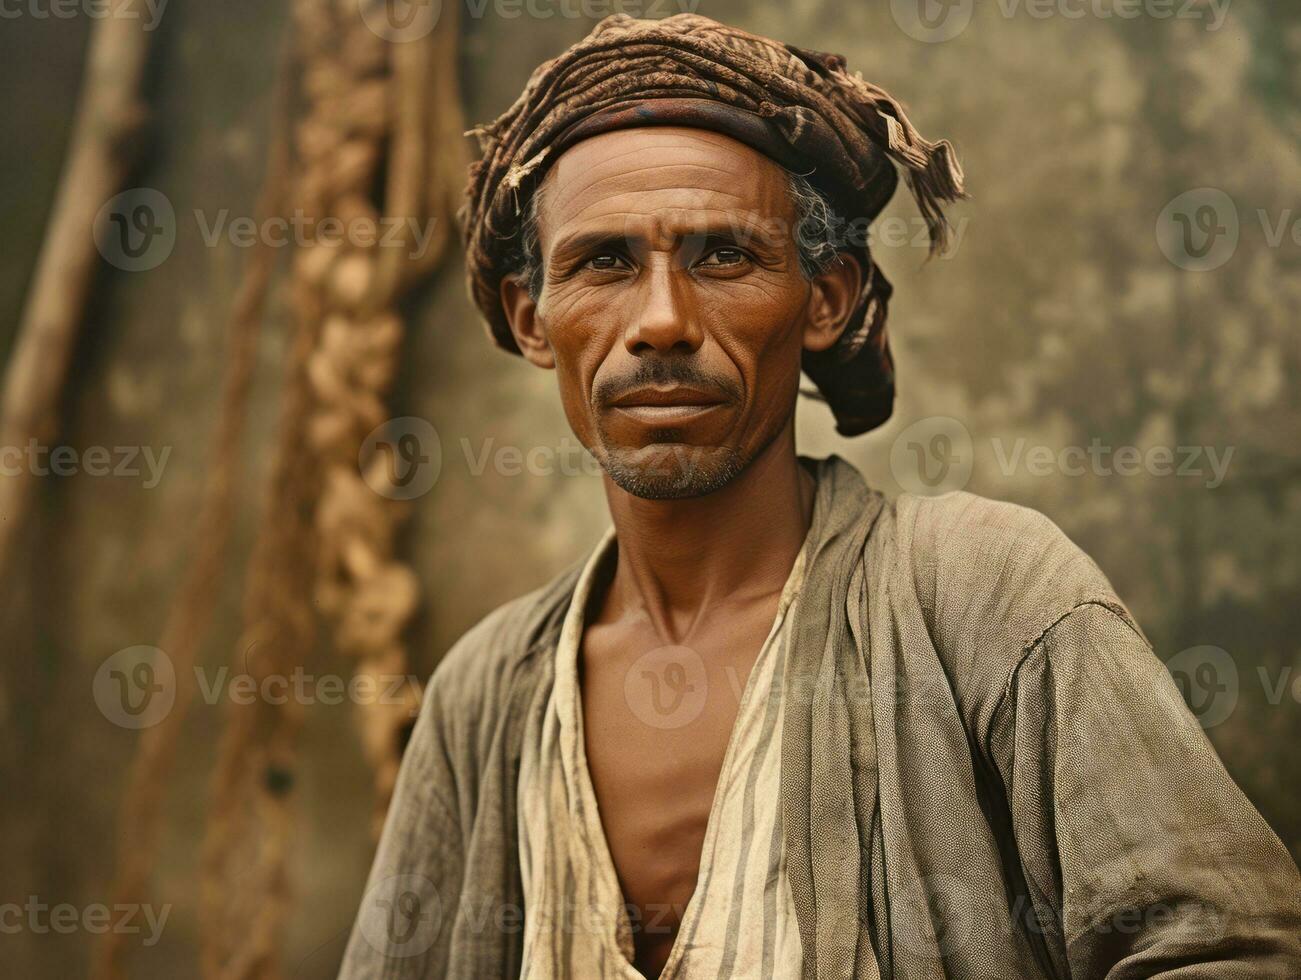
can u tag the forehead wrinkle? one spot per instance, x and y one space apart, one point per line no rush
750 210
708 145
666 177
755 199
641 209
696 164
658 137
612 162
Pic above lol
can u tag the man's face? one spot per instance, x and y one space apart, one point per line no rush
673 309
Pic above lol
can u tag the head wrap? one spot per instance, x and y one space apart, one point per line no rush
799 107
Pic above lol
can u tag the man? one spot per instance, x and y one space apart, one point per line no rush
775 725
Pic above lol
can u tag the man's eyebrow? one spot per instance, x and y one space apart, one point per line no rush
733 227
584 241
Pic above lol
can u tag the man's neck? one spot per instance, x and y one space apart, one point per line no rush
678 559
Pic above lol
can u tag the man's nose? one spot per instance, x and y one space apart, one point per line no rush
664 318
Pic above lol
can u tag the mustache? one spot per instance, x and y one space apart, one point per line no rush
664 372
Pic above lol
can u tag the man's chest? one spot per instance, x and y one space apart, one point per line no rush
658 721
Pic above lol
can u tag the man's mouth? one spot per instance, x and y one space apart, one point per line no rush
667 404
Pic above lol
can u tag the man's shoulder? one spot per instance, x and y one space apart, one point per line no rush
990 572
994 546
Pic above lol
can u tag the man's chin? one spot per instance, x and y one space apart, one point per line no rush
672 470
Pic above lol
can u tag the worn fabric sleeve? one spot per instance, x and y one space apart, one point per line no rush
403 925
1142 856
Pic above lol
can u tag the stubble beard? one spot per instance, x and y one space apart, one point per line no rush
672 471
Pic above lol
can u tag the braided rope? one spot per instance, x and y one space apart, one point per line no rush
327 539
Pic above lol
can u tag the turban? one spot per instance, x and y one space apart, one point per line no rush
799 107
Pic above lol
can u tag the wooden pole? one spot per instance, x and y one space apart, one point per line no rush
109 115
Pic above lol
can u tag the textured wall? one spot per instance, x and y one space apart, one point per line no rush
1059 321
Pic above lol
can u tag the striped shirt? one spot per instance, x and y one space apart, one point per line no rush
740 921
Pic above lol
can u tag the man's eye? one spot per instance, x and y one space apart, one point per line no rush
605 262
724 256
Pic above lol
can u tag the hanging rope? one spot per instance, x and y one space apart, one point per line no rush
375 115
190 614
363 587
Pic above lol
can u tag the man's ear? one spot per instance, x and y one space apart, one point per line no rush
831 304
522 315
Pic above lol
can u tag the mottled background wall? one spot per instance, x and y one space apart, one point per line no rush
1075 311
